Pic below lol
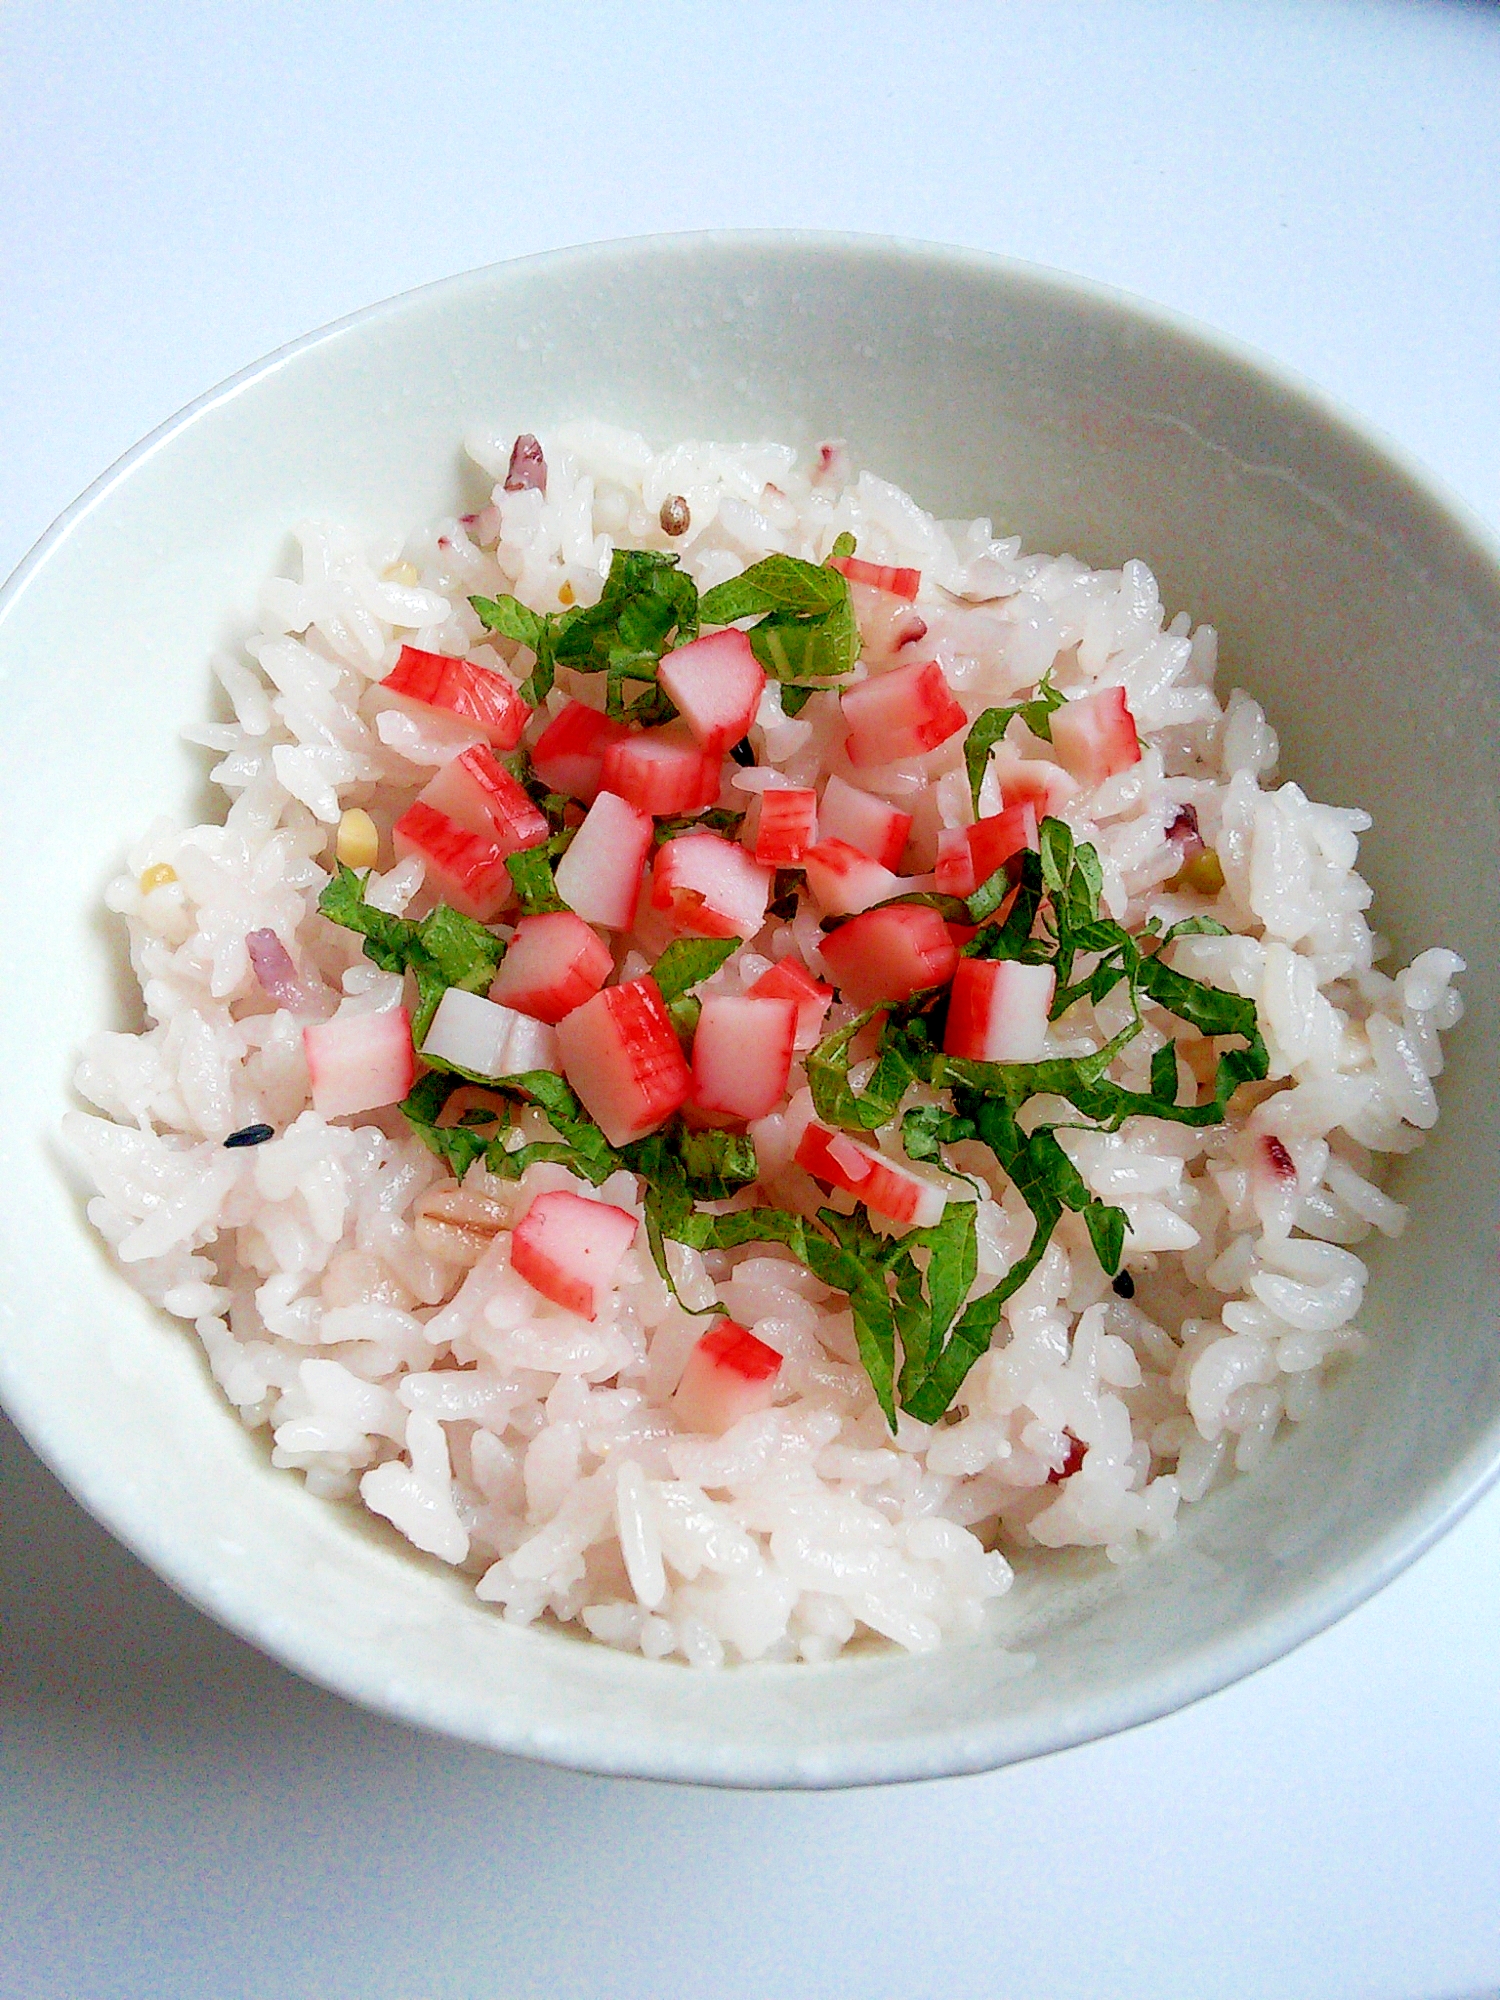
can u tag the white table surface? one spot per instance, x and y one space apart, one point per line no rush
185 187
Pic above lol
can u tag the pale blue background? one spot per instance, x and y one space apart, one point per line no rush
185 187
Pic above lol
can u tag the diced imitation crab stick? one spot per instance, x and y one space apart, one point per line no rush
903 583
888 955
846 881
569 753
873 825
881 599
789 979
782 825
487 1039
903 713
569 1248
729 1374
599 877
997 1011
359 1062
891 1190
621 1054
662 771
969 855
475 694
710 887
1095 736
477 793
552 965
465 870
715 683
742 1054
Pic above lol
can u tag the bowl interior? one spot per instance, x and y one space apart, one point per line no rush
1361 610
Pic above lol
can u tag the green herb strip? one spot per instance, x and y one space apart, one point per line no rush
806 636
716 820
1054 920
689 961
987 729
899 1065
647 607
443 950
536 884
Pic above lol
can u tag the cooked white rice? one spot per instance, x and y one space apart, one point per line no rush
537 1452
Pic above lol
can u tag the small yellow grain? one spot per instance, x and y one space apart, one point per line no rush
1204 875
358 841
157 876
565 595
401 572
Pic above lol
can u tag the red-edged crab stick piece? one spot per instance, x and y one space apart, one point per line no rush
465 870
359 1062
888 955
742 1054
475 694
969 855
621 1054
1095 736
997 1011
846 881
569 753
891 1190
662 771
903 713
789 979
954 869
903 583
715 683
710 887
873 825
552 965
477 793
599 877
785 826
569 1249
729 1375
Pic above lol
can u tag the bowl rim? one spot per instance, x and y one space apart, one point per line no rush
1212 1665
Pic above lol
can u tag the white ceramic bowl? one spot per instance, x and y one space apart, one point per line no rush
1361 608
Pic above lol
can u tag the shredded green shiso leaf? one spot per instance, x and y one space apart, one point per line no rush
986 730
917 1336
647 606
804 635
443 950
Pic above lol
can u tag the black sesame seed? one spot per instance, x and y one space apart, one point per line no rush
1124 1284
742 752
251 1135
676 518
